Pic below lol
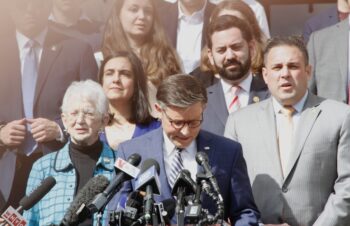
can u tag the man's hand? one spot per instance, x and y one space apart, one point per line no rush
13 133
44 130
3 221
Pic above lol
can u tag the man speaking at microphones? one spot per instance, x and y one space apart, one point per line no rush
180 102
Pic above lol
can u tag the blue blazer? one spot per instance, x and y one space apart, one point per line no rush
228 166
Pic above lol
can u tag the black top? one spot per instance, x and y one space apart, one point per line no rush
84 159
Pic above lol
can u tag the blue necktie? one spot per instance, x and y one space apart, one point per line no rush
175 167
29 78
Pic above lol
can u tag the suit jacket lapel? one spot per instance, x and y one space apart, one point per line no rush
307 119
342 36
258 90
50 51
218 101
156 152
267 123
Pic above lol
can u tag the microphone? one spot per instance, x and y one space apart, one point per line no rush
202 160
148 181
12 216
126 170
77 212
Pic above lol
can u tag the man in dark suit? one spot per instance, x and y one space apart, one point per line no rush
180 101
230 48
185 23
37 65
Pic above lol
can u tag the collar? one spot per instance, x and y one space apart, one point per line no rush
298 106
63 161
170 147
22 39
245 84
196 17
83 16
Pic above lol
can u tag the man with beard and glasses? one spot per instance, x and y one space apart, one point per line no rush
230 50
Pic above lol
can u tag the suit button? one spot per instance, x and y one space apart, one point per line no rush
284 189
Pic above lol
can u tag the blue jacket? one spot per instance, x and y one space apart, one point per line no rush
51 209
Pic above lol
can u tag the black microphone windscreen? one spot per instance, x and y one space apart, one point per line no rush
135 199
169 207
148 163
46 185
134 159
93 187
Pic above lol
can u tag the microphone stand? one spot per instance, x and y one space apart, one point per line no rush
180 210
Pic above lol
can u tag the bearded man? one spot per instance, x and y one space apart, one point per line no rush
230 50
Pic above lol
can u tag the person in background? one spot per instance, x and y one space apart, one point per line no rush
84 115
326 18
37 65
134 26
68 18
230 51
125 85
296 144
206 72
185 23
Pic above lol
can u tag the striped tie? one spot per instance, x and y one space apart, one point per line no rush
235 104
175 167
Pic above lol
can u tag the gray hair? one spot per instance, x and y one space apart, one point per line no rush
181 91
89 90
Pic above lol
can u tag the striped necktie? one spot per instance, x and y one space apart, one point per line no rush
235 104
175 167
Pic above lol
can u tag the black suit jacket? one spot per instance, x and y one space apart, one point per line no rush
169 12
63 60
216 113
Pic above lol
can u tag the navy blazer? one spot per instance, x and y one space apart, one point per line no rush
228 166
216 113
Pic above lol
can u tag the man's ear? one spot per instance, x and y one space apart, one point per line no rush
64 120
158 108
210 56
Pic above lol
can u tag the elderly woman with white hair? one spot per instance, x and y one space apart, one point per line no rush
84 114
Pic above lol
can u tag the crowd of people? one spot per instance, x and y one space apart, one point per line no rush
81 86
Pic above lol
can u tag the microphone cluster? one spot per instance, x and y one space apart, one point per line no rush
140 207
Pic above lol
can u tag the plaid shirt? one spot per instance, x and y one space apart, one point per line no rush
51 209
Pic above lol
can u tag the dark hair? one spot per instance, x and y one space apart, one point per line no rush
294 41
225 22
159 59
182 91
249 16
140 106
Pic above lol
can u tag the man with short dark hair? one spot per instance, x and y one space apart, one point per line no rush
37 65
180 102
296 144
230 49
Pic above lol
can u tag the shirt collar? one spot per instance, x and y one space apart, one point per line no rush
298 106
245 84
196 17
83 16
170 147
22 39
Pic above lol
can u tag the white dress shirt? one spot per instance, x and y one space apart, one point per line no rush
189 38
188 156
243 94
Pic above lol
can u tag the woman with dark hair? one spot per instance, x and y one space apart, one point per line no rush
125 85
134 26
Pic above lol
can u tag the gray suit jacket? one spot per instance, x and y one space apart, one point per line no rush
316 188
328 52
216 113
325 19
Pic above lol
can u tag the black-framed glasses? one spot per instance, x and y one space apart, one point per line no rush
179 124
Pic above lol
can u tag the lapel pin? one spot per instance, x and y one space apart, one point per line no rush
106 160
256 99
206 148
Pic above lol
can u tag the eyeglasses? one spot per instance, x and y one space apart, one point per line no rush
177 124
86 114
